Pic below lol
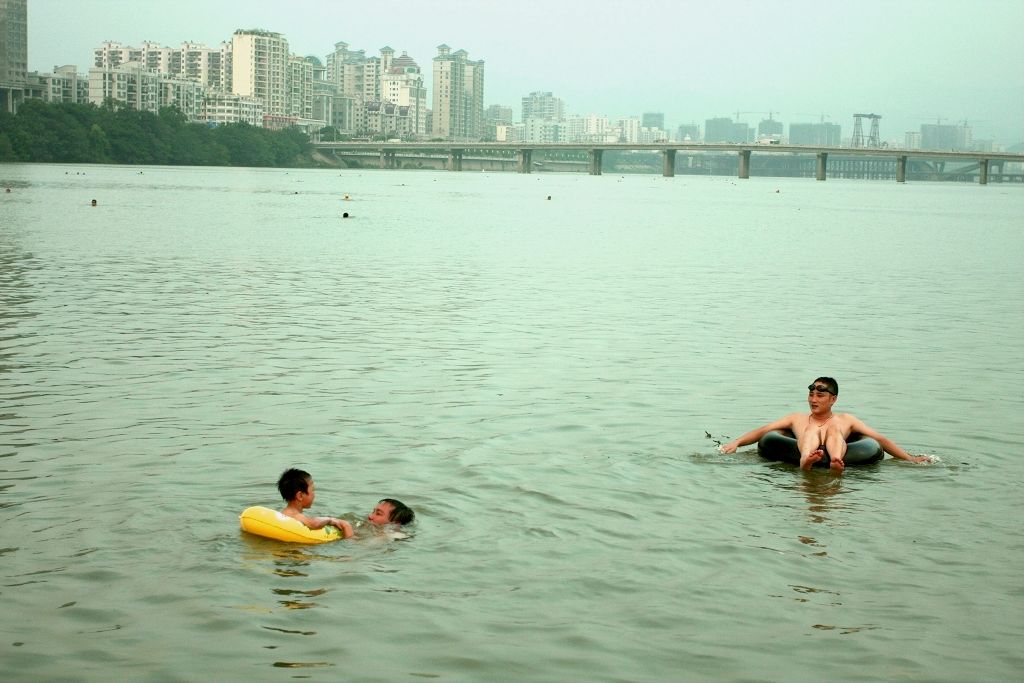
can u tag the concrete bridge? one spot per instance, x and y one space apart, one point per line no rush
520 155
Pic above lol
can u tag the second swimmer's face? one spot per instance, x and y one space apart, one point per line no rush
381 514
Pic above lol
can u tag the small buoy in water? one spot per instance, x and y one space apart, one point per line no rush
94 202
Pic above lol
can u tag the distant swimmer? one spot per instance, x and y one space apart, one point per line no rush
549 197
346 197
345 215
8 190
822 430
94 202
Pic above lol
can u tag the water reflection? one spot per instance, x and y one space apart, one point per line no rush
820 491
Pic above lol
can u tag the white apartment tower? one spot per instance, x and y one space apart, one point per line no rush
260 69
300 87
402 84
458 95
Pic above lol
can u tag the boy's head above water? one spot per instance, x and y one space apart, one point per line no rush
293 482
391 511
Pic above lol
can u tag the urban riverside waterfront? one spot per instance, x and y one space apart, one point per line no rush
526 268
544 381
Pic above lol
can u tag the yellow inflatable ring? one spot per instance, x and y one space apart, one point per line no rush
269 523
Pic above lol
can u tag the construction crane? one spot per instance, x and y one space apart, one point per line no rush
823 116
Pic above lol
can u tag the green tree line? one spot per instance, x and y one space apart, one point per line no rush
85 133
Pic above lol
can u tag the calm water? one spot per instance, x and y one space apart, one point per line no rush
536 378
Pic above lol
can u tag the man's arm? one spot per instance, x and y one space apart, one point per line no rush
755 435
888 445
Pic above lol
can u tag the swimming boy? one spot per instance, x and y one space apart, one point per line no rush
391 511
822 430
298 490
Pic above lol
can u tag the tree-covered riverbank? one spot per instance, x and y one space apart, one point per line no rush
85 133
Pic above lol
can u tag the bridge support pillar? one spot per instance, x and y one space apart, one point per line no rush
901 169
668 166
983 171
744 163
455 160
524 158
595 161
822 165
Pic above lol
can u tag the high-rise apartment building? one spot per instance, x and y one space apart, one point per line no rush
688 132
458 95
300 87
543 105
260 64
382 94
653 120
402 85
13 53
819 134
726 130
945 137
497 113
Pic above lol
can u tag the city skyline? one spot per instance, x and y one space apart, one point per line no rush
689 61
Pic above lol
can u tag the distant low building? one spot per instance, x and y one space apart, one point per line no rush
65 84
222 108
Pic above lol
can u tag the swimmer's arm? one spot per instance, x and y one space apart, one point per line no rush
888 445
755 435
320 522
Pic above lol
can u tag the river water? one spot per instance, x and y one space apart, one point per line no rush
544 381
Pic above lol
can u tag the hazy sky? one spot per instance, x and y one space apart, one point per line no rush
912 61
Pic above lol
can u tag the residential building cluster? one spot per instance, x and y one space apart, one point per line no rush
255 79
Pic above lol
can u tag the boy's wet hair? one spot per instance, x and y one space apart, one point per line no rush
400 512
292 482
830 383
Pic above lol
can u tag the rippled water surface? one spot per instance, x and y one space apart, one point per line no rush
545 382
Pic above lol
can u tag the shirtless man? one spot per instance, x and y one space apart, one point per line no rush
822 430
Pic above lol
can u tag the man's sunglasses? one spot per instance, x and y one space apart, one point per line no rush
819 389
